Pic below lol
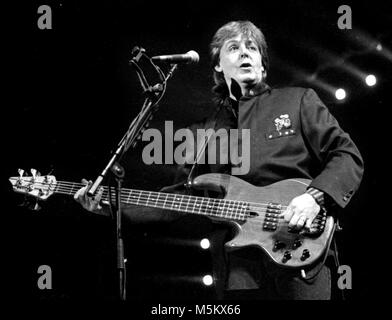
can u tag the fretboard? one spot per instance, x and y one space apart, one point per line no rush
220 208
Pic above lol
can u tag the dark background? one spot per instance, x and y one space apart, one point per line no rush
71 96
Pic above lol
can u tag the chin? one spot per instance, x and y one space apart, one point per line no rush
248 79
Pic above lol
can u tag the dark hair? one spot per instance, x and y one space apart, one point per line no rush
228 31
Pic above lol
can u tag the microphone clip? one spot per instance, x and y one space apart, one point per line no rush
137 53
154 90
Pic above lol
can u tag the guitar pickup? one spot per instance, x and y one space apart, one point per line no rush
273 205
270 226
271 219
274 211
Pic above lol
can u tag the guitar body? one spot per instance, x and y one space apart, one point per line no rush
284 247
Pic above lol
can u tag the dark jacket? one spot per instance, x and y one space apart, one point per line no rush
292 135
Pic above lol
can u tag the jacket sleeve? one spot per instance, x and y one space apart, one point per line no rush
340 160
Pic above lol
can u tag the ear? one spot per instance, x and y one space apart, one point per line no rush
264 72
218 68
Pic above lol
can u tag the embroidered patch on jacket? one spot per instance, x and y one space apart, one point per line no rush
282 122
283 127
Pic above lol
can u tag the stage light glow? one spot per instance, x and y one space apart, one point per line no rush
340 94
379 47
207 280
205 243
371 80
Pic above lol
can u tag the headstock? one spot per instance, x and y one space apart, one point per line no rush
37 186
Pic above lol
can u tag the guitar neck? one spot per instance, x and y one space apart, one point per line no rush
219 208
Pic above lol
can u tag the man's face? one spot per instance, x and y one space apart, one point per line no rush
240 59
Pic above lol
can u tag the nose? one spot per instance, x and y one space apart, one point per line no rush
244 52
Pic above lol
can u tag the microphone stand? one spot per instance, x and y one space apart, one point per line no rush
150 105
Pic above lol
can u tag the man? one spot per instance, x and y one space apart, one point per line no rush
292 135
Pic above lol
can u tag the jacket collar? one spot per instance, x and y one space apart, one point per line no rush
257 90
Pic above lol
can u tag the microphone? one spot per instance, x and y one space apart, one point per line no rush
189 57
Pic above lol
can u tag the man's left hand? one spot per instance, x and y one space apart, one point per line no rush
301 212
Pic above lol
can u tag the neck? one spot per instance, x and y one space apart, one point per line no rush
244 92
244 87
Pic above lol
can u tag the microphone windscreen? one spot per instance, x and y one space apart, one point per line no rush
194 56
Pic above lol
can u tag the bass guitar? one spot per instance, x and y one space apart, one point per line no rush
254 212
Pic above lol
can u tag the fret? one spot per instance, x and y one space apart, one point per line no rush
129 196
215 206
148 198
234 211
240 210
219 208
172 205
182 199
209 207
72 188
224 213
164 203
245 206
194 206
156 200
187 204
138 198
200 206
229 208
57 187
175 201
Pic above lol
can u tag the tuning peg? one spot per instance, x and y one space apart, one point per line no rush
21 172
35 173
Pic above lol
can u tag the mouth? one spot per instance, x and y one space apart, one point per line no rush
245 65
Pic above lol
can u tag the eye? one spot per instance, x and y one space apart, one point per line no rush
253 48
233 47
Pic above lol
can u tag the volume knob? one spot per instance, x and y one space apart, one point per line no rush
305 254
278 245
297 243
286 256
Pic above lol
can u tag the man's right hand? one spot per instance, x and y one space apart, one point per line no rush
91 204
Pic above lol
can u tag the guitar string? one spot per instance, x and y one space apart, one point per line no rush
80 185
243 215
238 214
229 211
150 193
71 186
170 197
214 209
207 209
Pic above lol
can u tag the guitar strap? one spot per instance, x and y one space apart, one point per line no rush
201 147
